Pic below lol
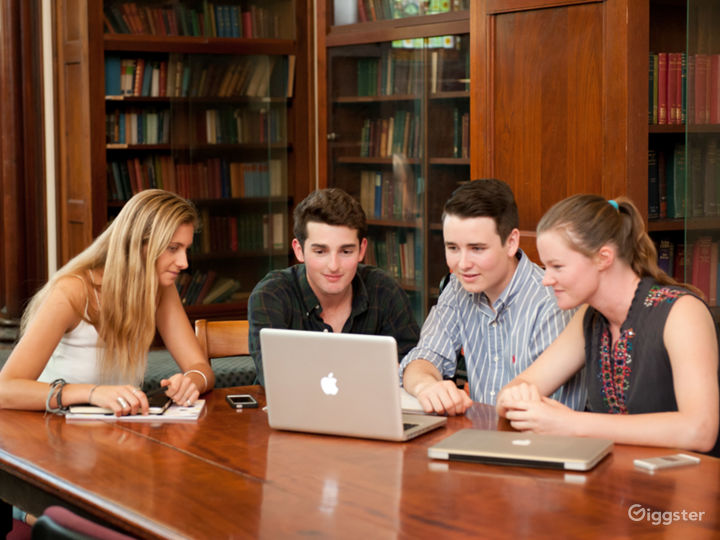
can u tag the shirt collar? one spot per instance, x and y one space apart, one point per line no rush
518 281
513 288
360 297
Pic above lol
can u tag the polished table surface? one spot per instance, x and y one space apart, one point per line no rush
230 475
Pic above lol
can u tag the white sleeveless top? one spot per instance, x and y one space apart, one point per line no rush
76 359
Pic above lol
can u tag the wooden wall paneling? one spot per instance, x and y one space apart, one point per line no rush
557 103
81 139
12 214
323 103
34 173
22 222
304 139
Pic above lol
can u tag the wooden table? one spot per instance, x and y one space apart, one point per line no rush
230 475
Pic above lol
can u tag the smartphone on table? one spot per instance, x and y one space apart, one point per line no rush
665 462
241 401
158 401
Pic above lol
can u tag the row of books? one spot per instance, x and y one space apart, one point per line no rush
208 19
246 232
383 196
200 76
696 263
401 72
685 181
397 71
684 89
238 126
375 10
213 178
703 178
667 178
209 126
138 126
207 288
397 252
398 134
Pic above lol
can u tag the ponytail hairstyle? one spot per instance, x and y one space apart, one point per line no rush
588 222
126 252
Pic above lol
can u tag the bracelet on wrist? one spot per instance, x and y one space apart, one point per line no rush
91 393
56 388
199 373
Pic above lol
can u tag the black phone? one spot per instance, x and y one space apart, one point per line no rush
241 401
159 403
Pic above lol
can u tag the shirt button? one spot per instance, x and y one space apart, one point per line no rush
325 330
492 393
493 323
496 359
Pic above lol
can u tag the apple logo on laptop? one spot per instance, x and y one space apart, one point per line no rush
521 442
329 384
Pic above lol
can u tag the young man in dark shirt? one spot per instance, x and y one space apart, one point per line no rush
330 290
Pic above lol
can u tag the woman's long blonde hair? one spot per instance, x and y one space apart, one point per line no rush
126 251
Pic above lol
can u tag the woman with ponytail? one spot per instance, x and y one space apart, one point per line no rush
86 333
648 343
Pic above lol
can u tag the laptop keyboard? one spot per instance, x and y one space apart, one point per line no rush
407 426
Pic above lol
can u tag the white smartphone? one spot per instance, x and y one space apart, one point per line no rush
666 462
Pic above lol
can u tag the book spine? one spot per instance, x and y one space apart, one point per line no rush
662 88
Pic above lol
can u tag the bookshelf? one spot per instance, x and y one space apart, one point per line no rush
194 97
683 156
395 129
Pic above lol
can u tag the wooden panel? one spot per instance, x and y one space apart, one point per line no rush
75 176
547 96
81 125
22 217
558 106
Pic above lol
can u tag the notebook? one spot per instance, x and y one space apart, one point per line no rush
522 449
338 384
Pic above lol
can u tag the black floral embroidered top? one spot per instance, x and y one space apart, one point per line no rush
634 376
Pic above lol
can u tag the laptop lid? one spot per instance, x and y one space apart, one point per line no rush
339 384
522 449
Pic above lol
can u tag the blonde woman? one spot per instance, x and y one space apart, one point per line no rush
86 333
648 343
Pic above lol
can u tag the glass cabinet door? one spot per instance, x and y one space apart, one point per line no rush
702 141
398 142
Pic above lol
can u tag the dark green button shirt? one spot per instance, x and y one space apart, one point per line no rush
284 299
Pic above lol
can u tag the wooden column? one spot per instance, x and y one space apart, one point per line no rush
23 250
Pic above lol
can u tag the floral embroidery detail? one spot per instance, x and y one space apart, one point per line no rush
658 294
615 369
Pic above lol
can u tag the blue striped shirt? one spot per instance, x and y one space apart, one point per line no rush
498 343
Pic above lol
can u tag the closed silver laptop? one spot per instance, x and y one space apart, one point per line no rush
339 384
522 449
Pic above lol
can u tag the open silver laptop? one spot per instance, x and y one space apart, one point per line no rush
339 384
522 449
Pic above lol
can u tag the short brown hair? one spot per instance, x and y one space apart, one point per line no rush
331 206
487 197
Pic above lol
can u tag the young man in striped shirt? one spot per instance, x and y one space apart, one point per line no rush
494 308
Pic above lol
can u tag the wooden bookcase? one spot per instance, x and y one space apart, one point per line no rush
394 131
206 99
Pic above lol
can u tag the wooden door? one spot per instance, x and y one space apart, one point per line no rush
559 101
